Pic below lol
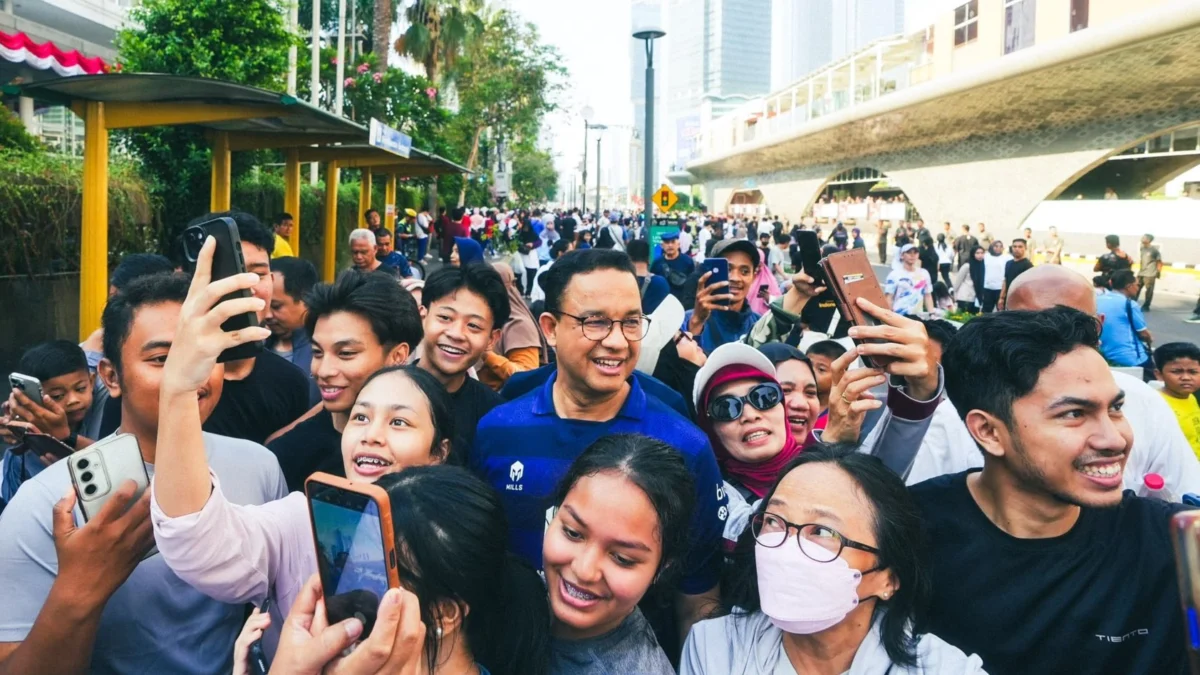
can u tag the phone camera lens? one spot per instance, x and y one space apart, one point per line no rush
86 476
83 464
89 490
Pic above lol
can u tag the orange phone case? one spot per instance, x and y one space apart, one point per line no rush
1185 537
851 276
382 502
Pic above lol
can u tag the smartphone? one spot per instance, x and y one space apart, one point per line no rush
30 386
45 444
1185 537
17 430
356 549
850 277
809 246
719 268
227 261
99 469
258 656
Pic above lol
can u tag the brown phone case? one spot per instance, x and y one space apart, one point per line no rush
384 504
850 277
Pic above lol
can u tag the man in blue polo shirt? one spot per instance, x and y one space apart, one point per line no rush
523 448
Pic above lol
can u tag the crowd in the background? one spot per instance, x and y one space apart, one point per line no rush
600 460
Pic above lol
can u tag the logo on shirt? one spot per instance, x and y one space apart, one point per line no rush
515 473
1139 632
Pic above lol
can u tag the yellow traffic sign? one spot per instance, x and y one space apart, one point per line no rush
665 198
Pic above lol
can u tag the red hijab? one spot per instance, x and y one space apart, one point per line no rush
758 478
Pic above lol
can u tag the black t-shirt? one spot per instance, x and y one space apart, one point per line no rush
1015 268
1101 598
274 395
312 445
471 402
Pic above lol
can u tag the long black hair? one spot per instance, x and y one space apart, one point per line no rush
656 469
976 270
440 406
898 537
452 545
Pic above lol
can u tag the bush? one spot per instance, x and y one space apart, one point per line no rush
13 135
41 201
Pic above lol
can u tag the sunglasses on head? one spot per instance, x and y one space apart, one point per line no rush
728 407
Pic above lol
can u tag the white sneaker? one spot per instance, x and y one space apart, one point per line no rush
429 256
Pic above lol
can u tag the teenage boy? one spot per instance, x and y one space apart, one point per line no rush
1177 366
909 289
283 231
81 597
822 355
523 448
1019 264
1040 562
463 310
263 393
722 313
67 384
359 324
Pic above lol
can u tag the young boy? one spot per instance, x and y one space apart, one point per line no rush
823 354
1177 364
62 368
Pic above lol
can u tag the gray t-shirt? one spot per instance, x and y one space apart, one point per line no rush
629 648
154 623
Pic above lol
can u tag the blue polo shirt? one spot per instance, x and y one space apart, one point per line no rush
1123 318
523 449
526 381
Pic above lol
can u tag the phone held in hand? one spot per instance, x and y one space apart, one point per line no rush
45 444
809 246
98 471
258 656
30 386
355 545
227 261
1185 537
719 267
851 277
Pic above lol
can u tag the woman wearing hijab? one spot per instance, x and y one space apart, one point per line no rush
763 288
466 251
928 255
968 282
521 346
528 241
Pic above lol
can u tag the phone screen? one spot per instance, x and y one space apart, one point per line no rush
350 555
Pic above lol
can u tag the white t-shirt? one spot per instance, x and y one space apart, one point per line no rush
685 241
702 241
993 270
422 226
945 255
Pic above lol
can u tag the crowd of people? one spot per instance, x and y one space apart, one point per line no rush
600 461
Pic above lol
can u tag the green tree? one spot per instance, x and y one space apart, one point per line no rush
438 32
535 180
244 41
13 135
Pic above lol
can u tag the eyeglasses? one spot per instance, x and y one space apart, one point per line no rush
728 408
771 531
597 328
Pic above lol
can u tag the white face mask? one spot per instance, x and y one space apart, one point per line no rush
800 595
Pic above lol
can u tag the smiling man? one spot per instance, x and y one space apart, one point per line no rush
721 312
523 448
463 310
1040 563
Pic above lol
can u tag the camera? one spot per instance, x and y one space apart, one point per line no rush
193 241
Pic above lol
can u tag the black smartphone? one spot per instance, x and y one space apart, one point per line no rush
227 261
258 656
720 271
809 246
44 444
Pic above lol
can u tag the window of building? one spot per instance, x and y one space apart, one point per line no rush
1019 20
1079 15
966 23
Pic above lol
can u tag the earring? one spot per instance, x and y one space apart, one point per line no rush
438 632
886 595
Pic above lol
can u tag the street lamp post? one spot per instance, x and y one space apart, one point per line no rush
649 33
586 113
597 127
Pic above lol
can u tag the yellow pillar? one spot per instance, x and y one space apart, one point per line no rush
219 194
364 198
389 197
93 253
332 176
291 195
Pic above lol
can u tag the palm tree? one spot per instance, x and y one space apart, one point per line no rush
437 31
381 33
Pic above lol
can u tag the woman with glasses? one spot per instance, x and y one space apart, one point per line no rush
827 579
619 528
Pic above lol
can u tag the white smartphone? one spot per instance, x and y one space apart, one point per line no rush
30 386
98 470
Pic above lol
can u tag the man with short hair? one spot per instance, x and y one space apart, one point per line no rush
83 597
387 254
523 448
1115 259
722 311
363 254
283 232
372 220
672 265
1149 271
653 287
1125 339
358 325
1052 247
963 245
1039 563
463 310
292 277
1015 267
985 237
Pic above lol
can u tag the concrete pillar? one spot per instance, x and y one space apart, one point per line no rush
25 110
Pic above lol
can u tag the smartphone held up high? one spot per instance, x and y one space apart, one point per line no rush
719 267
851 277
355 546
227 261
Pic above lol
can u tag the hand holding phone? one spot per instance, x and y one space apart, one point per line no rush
225 262
44 413
809 246
99 471
204 337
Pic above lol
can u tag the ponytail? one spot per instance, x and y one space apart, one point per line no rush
515 639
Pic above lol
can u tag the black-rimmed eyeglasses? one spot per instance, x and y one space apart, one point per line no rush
597 328
771 531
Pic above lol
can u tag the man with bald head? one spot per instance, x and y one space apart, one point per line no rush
1159 445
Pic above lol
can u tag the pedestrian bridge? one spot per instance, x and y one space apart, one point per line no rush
986 143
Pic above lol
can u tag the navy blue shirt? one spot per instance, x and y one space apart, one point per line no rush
526 381
395 259
675 271
523 449
654 290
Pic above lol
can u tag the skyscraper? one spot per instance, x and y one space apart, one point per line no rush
801 39
857 23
